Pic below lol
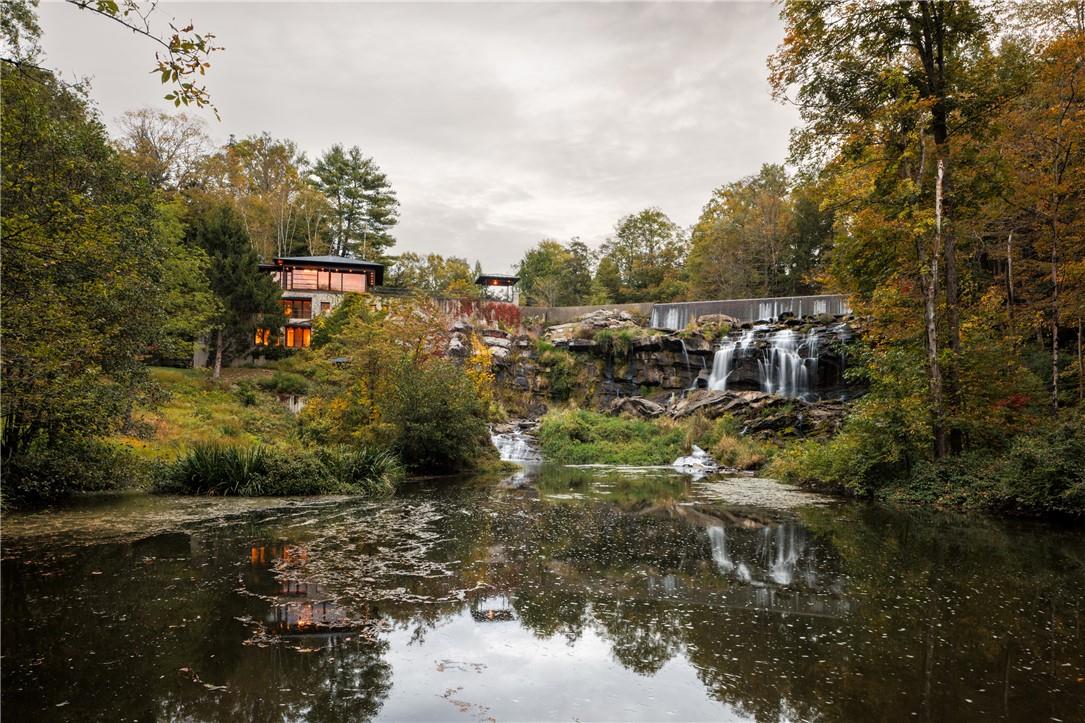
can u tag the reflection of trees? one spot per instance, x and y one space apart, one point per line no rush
902 612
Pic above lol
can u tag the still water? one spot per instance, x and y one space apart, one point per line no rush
571 594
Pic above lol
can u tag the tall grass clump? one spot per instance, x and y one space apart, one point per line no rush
583 437
226 470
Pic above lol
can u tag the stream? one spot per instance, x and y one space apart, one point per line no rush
575 594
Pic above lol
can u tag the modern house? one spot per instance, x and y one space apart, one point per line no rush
314 285
499 287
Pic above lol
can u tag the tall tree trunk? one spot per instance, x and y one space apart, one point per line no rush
218 355
953 315
934 369
1054 317
1080 365
1009 282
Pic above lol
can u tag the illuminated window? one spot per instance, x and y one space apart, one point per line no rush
298 337
298 308
325 307
354 282
263 337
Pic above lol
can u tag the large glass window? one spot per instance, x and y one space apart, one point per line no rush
298 308
354 282
298 337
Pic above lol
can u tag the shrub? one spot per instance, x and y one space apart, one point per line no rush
263 471
46 474
559 369
583 437
246 394
618 342
441 424
286 383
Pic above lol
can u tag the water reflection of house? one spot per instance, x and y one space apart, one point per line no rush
492 610
298 607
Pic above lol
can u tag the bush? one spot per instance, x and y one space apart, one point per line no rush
559 370
618 342
583 437
286 383
441 424
48 474
262 471
246 394
1043 472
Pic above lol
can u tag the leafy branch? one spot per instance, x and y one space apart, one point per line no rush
185 54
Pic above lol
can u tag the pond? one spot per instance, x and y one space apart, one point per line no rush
563 594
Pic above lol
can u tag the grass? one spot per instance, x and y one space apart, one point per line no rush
577 436
234 410
224 470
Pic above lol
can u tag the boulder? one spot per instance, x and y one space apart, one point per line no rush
498 342
636 406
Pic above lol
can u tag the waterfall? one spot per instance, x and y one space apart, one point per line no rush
783 370
723 363
515 446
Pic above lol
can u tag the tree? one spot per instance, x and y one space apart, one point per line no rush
183 55
89 265
434 274
249 298
1042 204
168 150
363 205
644 258
266 178
746 242
884 73
553 274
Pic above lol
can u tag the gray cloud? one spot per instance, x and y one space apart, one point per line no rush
498 124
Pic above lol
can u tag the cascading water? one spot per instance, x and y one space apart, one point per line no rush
515 446
723 363
787 362
789 367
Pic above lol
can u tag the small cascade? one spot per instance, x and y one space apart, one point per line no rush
723 363
515 446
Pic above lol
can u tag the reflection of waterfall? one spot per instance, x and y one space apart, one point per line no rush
515 446
718 539
773 558
786 551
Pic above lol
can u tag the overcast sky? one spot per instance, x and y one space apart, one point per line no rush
498 124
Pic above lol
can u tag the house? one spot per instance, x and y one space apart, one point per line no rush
499 287
314 285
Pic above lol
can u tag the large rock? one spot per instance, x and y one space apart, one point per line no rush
637 406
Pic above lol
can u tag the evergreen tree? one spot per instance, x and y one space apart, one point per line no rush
364 206
249 296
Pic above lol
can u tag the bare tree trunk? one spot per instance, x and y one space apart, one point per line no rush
1080 365
1055 318
218 355
931 318
1009 281
953 382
